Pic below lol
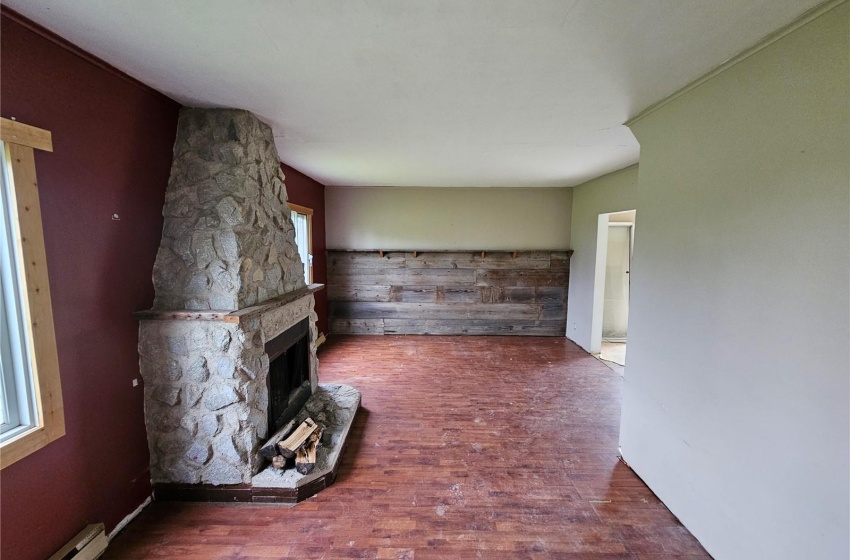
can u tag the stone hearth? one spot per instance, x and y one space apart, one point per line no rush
228 279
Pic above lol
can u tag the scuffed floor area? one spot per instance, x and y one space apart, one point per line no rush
500 448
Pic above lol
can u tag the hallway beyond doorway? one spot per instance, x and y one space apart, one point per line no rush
613 354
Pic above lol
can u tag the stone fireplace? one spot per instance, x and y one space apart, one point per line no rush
229 347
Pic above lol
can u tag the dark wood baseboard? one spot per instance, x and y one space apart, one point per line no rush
240 493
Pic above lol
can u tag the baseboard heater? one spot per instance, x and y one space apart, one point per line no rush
89 544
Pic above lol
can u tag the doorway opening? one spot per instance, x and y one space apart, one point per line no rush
615 244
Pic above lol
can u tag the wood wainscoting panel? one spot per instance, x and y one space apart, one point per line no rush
441 293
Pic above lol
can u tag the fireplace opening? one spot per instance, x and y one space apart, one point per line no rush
289 374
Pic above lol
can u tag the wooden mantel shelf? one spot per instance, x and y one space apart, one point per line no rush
227 316
459 251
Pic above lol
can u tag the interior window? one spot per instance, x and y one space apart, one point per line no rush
31 411
302 218
17 400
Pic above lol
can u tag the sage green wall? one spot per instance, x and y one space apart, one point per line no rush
735 405
447 218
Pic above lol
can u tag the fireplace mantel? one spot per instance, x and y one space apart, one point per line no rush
227 316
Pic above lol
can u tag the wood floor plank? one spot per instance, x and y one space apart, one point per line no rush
480 448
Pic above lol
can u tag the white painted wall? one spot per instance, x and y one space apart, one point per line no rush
447 218
614 192
735 406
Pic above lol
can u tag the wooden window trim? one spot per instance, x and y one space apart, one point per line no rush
309 213
20 142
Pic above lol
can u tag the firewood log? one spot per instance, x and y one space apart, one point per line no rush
288 446
269 449
279 462
305 457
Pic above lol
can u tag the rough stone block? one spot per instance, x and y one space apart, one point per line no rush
199 453
219 471
182 246
203 249
226 245
259 420
221 338
175 227
167 394
210 425
190 424
232 183
197 304
220 396
198 339
165 421
197 171
223 276
252 366
172 370
225 448
225 368
208 191
231 154
197 283
170 444
230 211
193 394
157 369
177 345
177 471
197 370
222 301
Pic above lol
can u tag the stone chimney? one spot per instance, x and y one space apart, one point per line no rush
228 241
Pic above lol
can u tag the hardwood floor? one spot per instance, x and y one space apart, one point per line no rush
468 447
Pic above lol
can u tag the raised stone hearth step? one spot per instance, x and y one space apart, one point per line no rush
335 407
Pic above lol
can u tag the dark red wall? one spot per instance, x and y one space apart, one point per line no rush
304 191
112 141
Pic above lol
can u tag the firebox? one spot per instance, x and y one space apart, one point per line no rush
289 374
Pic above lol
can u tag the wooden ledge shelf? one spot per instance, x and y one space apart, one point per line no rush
419 252
227 316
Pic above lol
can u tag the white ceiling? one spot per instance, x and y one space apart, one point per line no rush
425 92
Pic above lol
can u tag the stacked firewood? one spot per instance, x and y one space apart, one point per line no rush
299 444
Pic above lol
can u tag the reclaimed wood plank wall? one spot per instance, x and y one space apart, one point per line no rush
475 293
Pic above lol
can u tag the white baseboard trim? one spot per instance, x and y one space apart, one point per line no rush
129 518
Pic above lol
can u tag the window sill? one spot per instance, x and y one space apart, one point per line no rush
13 433
30 440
